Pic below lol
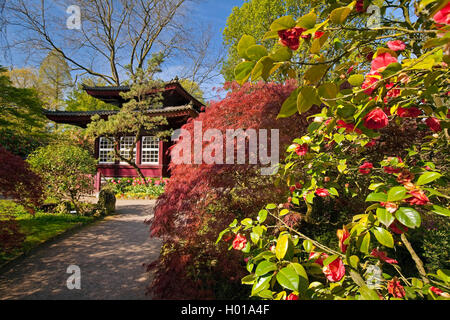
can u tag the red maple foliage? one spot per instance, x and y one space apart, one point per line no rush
202 200
18 182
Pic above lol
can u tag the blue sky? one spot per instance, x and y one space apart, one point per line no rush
208 12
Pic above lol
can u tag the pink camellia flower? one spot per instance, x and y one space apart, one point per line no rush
443 15
291 38
301 150
396 45
376 119
292 297
434 124
335 271
395 288
343 235
382 61
390 206
369 84
391 170
382 256
321 192
411 112
239 242
366 168
419 198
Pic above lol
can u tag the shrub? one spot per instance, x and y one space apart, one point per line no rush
66 170
200 200
136 188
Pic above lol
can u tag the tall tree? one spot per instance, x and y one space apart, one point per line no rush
54 79
133 119
119 34
24 78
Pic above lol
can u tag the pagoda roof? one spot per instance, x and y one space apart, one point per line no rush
173 94
82 118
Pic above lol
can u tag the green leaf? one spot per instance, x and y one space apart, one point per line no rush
314 74
247 222
377 197
265 267
245 43
356 80
441 211
283 23
339 15
303 276
289 107
262 216
308 21
391 69
368 294
385 217
256 52
308 245
250 279
328 91
354 262
409 217
266 294
428 177
243 71
262 69
284 212
384 237
282 246
365 243
307 97
282 54
271 35
271 206
288 278
396 194
263 283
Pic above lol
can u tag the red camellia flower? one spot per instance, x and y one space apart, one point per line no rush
366 168
418 198
301 150
319 260
291 38
335 271
376 119
360 6
411 112
369 83
318 34
391 170
349 127
382 256
292 297
382 61
396 45
398 228
343 235
443 15
239 242
395 288
321 192
434 124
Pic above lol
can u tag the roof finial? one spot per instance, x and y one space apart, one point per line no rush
176 79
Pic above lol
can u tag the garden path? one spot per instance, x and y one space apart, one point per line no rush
110 254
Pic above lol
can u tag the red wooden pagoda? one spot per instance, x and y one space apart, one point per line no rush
151 154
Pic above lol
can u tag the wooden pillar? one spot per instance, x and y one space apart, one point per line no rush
161 158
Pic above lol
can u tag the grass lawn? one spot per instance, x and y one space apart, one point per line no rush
40 227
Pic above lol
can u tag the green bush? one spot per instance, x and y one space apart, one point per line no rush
134 188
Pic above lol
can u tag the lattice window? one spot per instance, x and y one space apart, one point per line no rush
125 146
106 151
150 150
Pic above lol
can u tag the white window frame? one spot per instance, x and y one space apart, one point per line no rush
127 150
149 149
109 151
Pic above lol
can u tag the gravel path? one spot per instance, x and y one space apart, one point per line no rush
110 254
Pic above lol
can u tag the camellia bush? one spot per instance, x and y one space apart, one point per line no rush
393 76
